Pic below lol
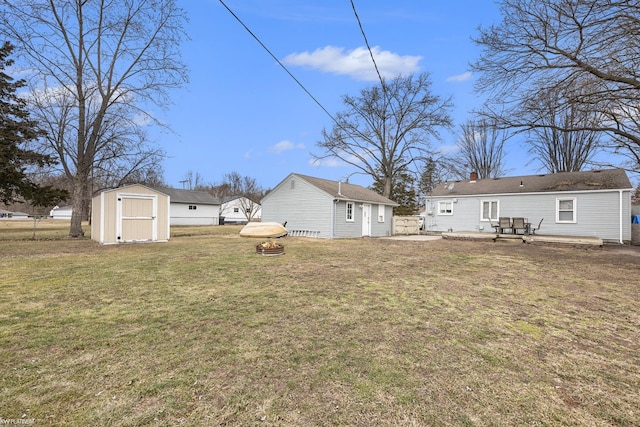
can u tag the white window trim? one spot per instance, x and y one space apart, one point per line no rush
353 205
497 213
440 202
575 210
381 213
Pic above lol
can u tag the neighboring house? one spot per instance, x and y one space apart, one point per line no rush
595 203
192 207
61 212
240 210
4 214
316 207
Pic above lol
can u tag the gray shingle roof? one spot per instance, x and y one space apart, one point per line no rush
189 196
346 191
610 179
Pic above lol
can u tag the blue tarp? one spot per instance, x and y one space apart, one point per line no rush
635 219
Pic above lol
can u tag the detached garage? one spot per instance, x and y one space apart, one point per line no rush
130 214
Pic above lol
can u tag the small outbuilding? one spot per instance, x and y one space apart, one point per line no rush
316 207
130 214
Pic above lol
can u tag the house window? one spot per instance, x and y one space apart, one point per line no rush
445 207
350 211
380 213
566 210
247 210
489 210
236 210
192 207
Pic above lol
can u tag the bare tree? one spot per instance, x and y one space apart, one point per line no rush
387 128
588 50
480 149
249 207
193 181
97 66
555 143
244 188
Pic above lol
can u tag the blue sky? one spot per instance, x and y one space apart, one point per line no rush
242 112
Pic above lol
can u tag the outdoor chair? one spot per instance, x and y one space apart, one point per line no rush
533 229
504 223
519 224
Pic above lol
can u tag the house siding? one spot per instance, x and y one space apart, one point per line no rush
384 228
344 228
303 207
597 213
307 208
240 217
202 215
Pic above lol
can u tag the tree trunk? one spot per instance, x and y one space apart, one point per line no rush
387 187
77 202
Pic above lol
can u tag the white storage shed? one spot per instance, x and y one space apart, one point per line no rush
130 214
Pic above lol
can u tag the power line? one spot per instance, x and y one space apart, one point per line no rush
277 60
353 6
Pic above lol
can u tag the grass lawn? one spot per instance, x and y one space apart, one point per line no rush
202 331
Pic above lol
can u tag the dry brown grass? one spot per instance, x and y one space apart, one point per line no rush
202 331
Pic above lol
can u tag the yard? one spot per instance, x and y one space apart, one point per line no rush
202 331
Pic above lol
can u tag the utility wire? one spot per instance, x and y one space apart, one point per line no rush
277 60
353 6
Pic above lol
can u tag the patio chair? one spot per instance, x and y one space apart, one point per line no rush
533 229
504 223
519 224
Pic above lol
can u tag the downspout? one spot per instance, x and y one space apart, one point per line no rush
334 210
621 241
333 218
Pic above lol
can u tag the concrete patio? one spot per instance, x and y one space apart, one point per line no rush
519 238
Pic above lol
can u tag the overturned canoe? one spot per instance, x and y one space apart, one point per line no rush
263 229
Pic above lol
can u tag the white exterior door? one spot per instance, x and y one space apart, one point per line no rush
137 218
366 220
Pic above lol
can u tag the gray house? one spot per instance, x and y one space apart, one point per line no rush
595 203
316 207
192 207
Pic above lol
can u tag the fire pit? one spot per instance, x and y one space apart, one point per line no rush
270 248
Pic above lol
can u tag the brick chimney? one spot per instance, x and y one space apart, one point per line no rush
473 177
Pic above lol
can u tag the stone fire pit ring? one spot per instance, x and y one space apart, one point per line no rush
270 248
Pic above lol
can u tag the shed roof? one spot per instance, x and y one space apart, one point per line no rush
609 179
189 196
345 191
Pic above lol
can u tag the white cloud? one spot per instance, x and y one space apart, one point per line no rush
285 145
461 77
448 149
356 63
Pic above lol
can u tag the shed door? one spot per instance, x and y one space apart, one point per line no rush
366 220
137 218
